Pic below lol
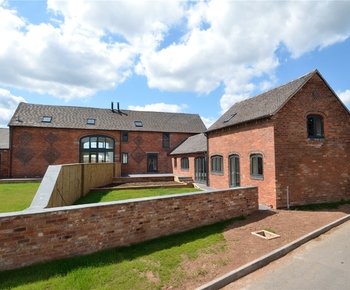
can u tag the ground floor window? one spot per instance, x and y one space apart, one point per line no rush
95 149
184 163
256 166
125 158
216 164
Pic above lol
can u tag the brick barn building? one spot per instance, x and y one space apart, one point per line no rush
4 153
292 140
190 158
41 135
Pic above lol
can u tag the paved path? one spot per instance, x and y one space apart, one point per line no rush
323 263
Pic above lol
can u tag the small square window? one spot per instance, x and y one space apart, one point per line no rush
138 123
46 119
91 121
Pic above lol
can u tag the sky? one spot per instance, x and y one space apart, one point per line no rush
175 56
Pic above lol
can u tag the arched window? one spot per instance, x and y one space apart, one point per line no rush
216 164
315 126
184 163
95 149
256 166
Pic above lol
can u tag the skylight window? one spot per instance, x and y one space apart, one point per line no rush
91 121
138 123
230 117
46 119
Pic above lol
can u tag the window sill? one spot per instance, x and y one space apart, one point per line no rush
185 169
257 177
217 173
315 138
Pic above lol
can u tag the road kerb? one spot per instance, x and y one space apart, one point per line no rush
250 267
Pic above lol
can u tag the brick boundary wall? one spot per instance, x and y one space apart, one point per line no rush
31 237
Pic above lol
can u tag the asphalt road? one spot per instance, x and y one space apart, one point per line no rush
323 263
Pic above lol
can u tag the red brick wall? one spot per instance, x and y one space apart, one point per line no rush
245 140
185 172
52 234
33 149
141 143
314 170
4 163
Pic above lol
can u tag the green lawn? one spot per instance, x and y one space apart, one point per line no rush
154 264
17 196
122 194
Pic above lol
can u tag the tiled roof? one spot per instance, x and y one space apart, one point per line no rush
4 138
263 105
194 144
31 115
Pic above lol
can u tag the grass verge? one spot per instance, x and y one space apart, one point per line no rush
150 265
321 206
17 196
122 194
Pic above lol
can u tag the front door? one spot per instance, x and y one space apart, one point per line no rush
152 162
200 170
234 171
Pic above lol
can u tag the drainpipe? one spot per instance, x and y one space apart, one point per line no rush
10 152
287 197
206 158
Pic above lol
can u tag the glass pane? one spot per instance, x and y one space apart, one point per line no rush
318 126
101 142
86 158
85 142
109 156
93 157
260 165
101 157
93 142
125 158
109 143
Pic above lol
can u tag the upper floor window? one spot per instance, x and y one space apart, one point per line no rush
138 123
184 163
166 140
91 121
96 149
315 126
256 166
46 119
125 136
216 164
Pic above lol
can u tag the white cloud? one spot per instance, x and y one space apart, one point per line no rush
58 60
160 107
97 45
234 42
208 121
8 104
345 97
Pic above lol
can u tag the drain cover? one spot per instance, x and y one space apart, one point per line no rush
264 234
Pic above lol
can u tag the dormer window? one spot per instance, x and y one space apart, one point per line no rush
91 121
138 123
315 126
46 119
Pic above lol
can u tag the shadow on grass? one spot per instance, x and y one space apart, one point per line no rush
44 271
92 197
